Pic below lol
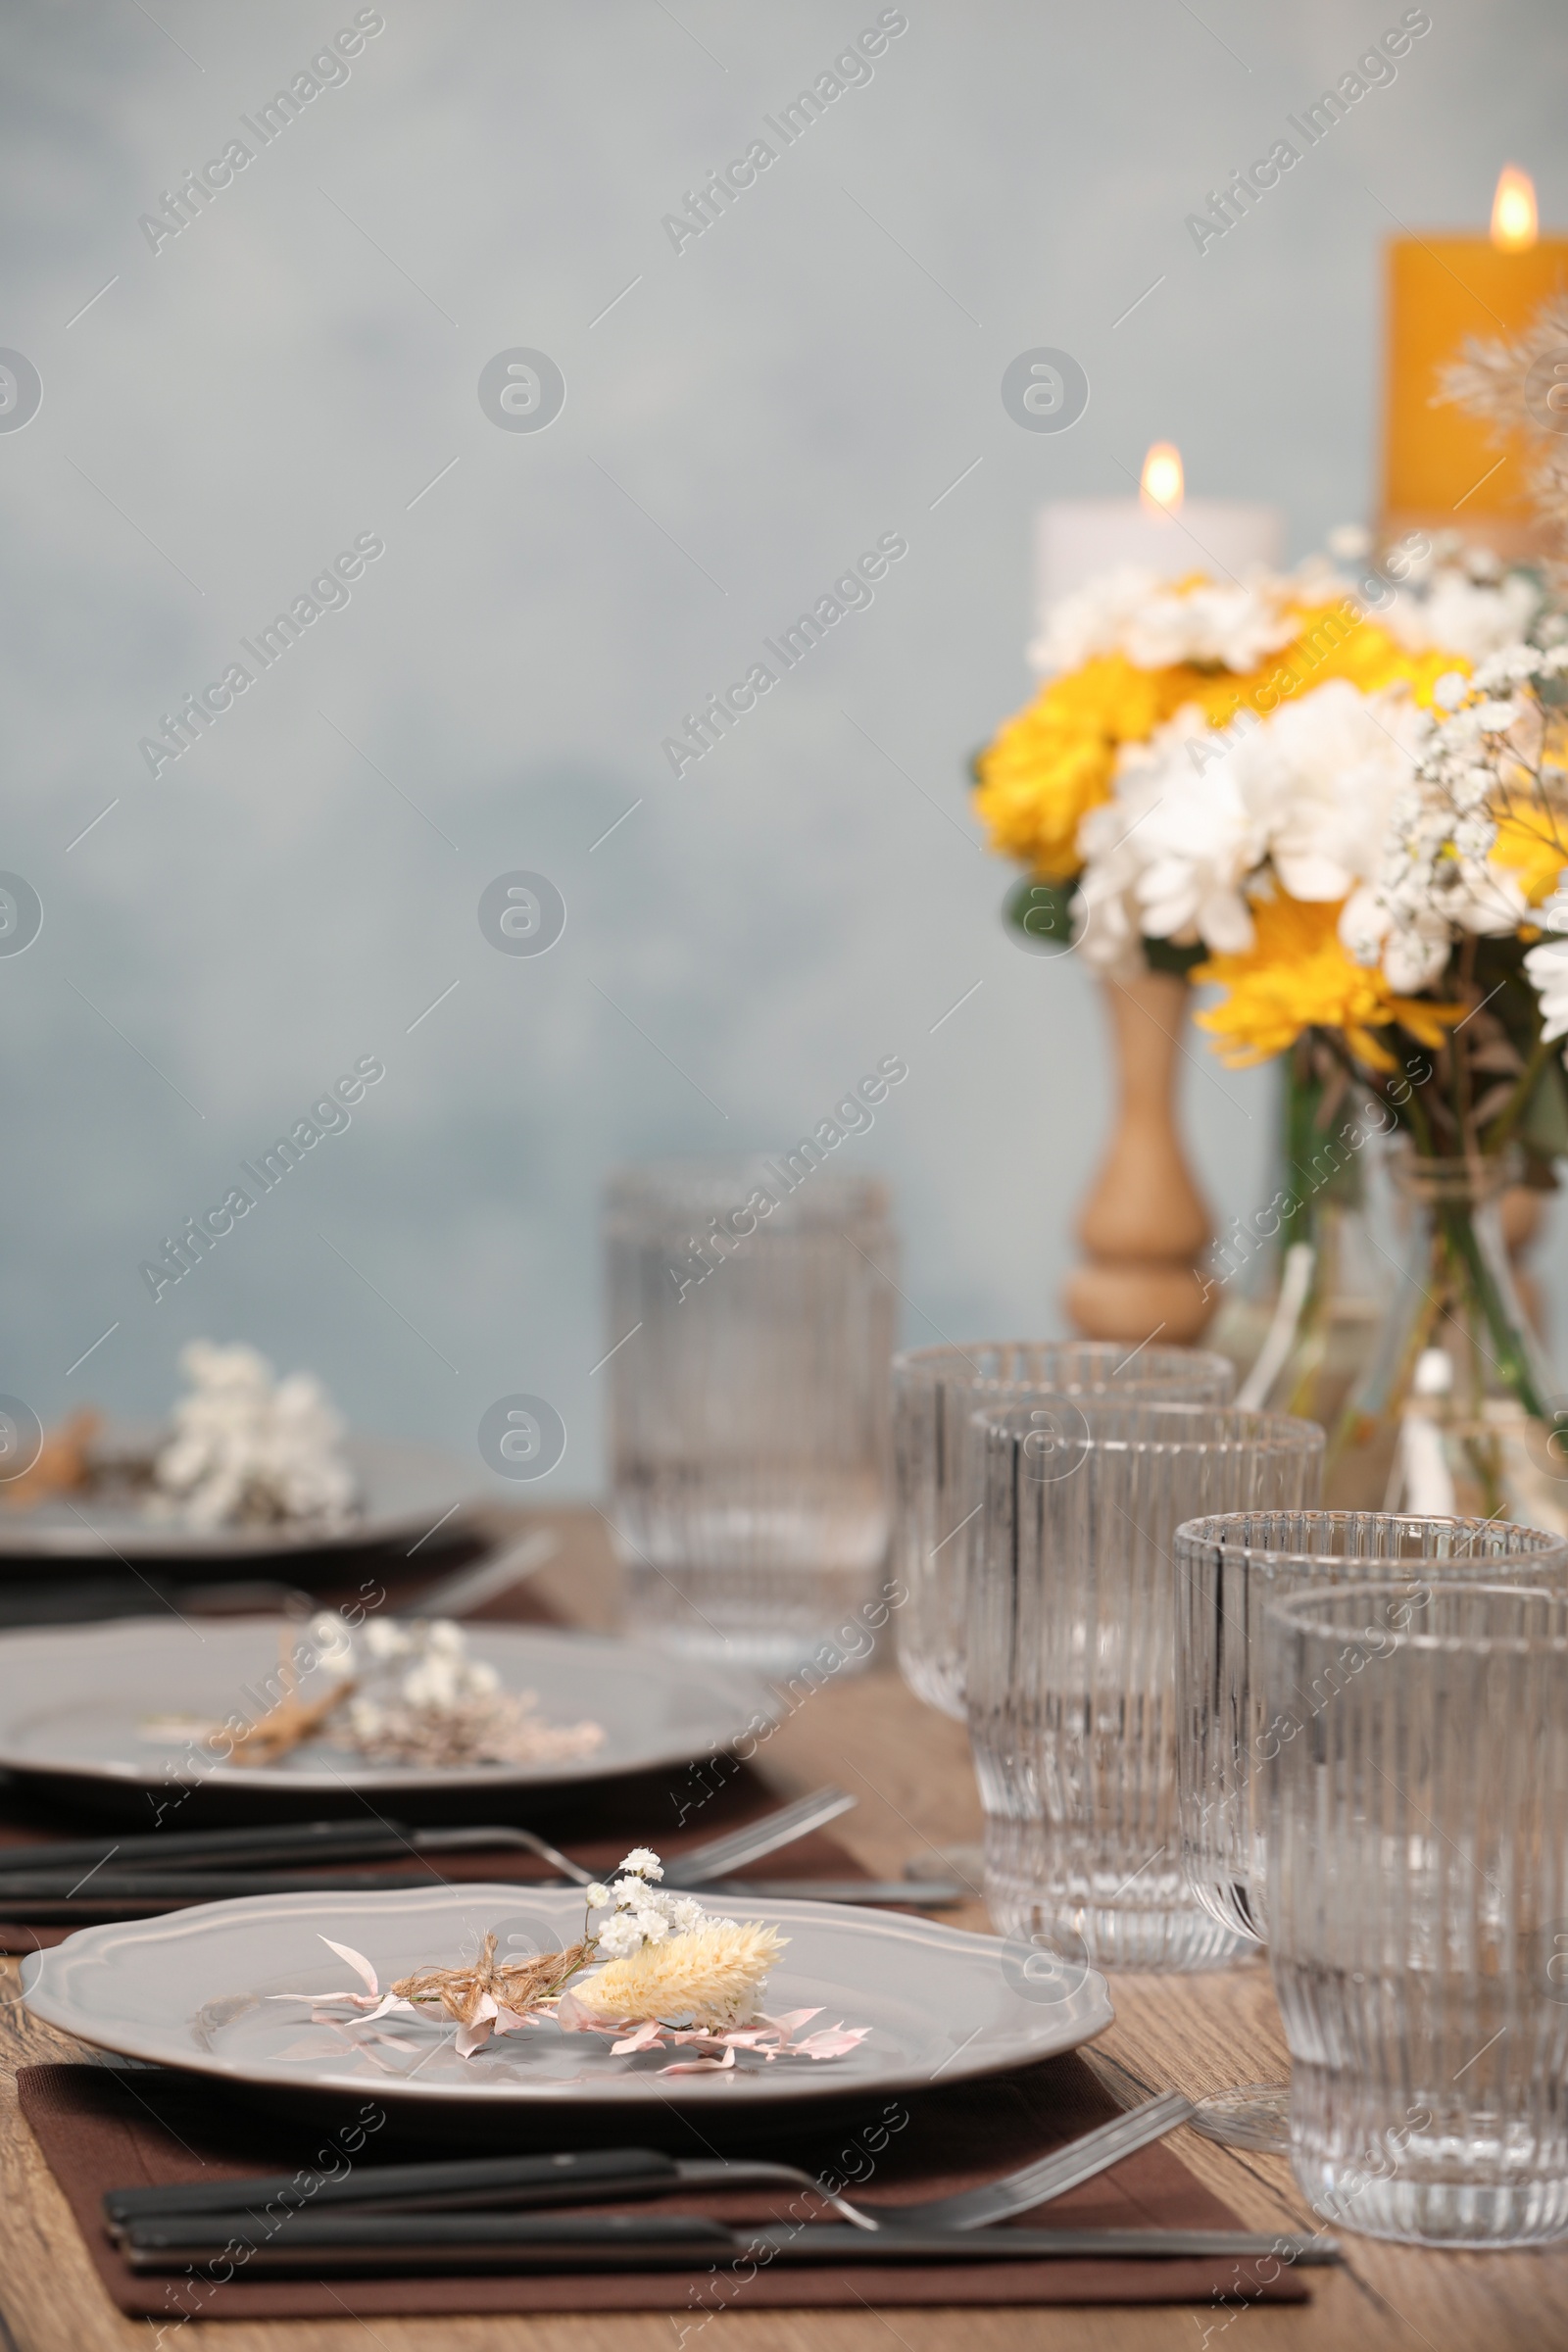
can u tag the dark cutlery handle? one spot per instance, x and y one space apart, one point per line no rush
292 1843
579 2175
377 2239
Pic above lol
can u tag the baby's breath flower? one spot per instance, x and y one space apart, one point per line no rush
596 1897
385 1639
619 1936
643 1863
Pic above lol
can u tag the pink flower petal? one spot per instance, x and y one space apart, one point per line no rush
358 1962
702 2066
649 2035
832 2042
473 2037
791 2018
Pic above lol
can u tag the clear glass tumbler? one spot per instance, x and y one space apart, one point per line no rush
1227 1569
939 1461
1072 1660
752 1308
1418 1905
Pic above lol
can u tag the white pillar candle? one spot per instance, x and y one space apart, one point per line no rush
1077 539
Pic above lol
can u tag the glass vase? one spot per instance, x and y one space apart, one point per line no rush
1307 1278
1458 1411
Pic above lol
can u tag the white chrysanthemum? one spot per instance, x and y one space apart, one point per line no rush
1459 614
1153 623
1326 769
1199 815
1237 626
1547 967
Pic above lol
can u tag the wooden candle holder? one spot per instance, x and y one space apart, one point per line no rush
1145 1224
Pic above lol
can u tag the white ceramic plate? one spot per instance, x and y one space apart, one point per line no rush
404 1491
76 1702
193 1991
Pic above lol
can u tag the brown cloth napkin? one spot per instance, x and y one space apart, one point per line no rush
102 2127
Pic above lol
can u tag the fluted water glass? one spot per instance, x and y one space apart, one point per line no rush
1418 1905
1071 1673
1229 1568
750 1325
939 1461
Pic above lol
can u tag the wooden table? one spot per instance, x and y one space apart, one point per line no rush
910 1771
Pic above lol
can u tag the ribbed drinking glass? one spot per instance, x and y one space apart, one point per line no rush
1072 1659
752 1326
939 1461
1418 1905
1227 1570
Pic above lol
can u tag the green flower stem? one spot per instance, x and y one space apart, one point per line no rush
1507 1119
1511 1359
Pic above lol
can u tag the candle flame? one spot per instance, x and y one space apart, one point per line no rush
1514 220
1161 488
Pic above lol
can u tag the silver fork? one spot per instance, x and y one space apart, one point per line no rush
489 2187
468 1589
717 1859
1018 2193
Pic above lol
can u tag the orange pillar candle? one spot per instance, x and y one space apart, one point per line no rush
1440 468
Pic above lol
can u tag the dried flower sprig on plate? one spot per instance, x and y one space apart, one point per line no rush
399 1693
669 1973
248 1448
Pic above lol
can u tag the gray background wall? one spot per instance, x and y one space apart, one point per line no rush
816 369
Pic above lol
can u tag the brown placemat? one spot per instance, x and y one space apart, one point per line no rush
102 2129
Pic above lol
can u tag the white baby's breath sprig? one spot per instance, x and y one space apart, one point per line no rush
1438 880
250 1448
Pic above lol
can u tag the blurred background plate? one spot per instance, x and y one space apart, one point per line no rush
73 1700
407 1491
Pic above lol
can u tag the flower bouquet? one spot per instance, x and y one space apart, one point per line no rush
1354 827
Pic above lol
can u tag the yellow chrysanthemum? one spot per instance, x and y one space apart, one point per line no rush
713 1977
1532 845
1298 975
1367 656
1055 760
